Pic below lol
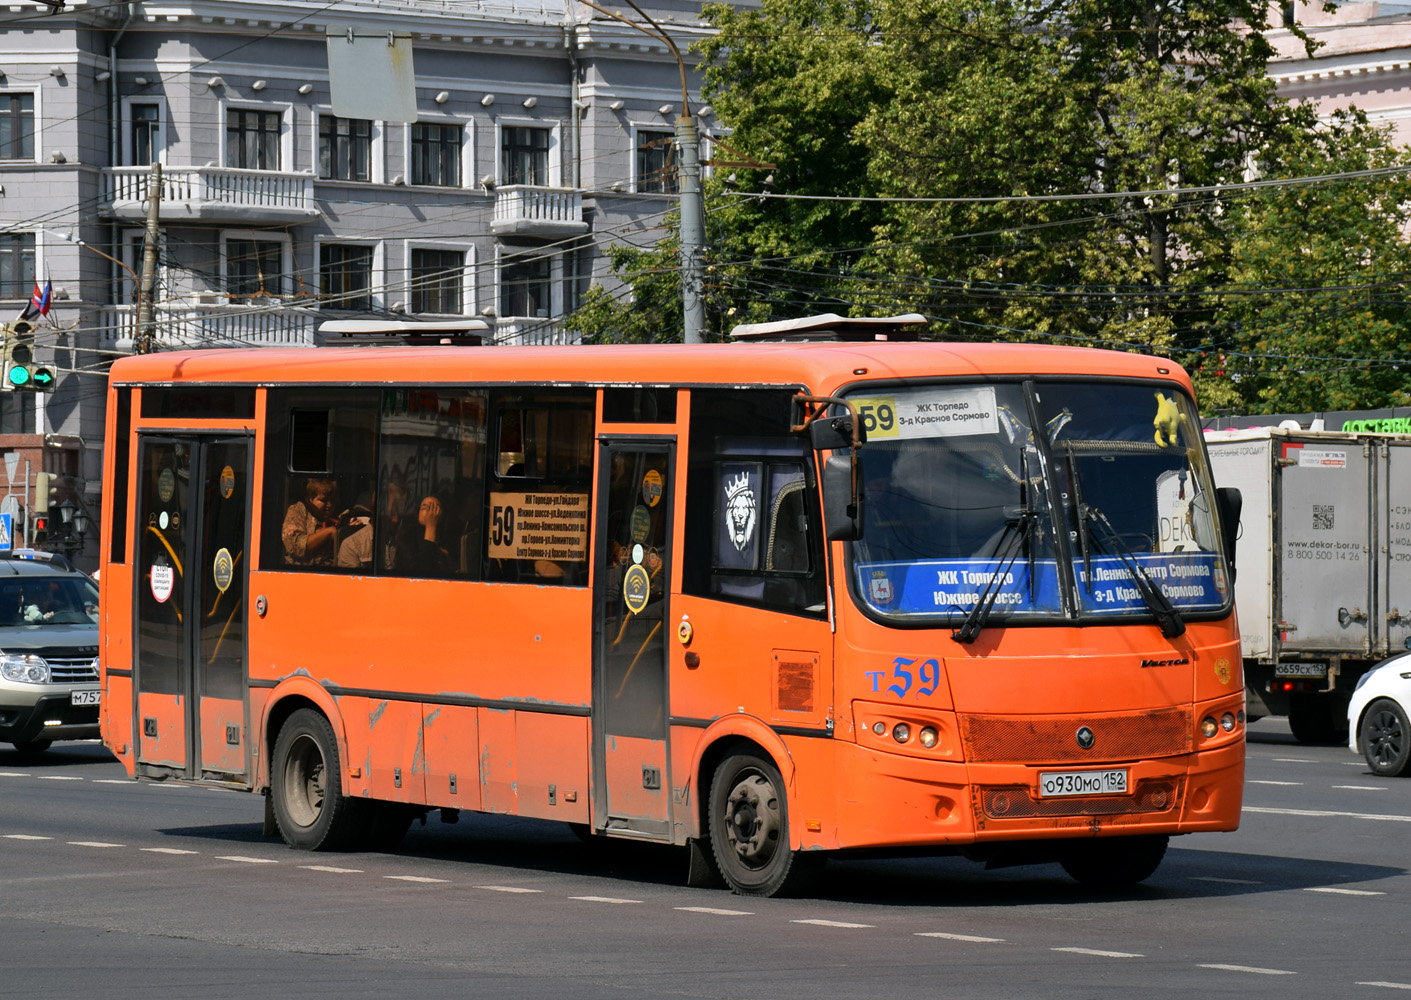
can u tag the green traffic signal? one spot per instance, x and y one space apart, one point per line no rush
43 379
18 376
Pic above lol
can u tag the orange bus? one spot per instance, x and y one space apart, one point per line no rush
825 589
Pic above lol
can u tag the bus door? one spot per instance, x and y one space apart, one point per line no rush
632 588
189 675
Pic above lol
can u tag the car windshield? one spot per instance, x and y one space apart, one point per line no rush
48 600
1041 499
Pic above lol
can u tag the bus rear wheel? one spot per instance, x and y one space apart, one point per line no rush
1114 862
749 829
310 808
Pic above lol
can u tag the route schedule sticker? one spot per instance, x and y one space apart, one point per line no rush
536 525
929 413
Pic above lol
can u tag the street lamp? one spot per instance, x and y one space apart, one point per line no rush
73 525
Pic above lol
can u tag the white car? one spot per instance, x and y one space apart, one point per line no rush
1379 717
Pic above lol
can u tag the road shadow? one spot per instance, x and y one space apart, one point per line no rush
60 755
516 845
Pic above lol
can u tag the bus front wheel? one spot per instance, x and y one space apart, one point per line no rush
310 808
1114 862
749 829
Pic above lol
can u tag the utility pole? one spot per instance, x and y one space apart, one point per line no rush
146 317
692 229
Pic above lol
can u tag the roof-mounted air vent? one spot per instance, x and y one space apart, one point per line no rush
832 328
364 332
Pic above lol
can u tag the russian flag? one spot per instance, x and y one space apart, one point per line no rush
39 300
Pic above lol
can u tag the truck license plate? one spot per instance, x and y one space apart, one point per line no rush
84 697
1055 783
1312 671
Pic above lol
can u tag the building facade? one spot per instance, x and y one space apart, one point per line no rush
543 132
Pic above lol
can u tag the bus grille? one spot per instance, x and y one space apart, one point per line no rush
1017 801
1053 739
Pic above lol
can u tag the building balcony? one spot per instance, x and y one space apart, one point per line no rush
182 327
528 210
210 194
517 332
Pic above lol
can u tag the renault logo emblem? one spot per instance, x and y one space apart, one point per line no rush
1086 738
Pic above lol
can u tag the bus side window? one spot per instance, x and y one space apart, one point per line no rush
762 536
319 462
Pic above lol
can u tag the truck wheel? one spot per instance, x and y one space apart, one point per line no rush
1319 720
34 746
1386 738
1114 862
310 808
749 829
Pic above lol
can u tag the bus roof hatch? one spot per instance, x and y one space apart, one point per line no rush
462 332
830 327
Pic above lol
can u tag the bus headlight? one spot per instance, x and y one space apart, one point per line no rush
928 737
27 669
1227 722
1208 727
901 732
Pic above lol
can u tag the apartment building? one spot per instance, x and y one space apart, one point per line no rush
543 131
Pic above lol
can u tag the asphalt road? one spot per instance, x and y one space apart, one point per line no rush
116 889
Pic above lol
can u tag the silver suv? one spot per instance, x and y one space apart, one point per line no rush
48 651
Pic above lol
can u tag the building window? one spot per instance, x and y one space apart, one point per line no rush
524 286
344 148
524 156
656 163
436 155
252 139
436 281
16 265
146 135
345 276
16 126
254 267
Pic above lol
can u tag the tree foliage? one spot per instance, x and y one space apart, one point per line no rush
1277 298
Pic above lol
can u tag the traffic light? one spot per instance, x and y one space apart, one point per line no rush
19 356
40 510
21 372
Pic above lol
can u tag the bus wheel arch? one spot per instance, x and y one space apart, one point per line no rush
748 826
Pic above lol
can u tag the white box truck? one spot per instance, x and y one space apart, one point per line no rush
1323 565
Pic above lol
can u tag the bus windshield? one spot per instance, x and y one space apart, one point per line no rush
1036 500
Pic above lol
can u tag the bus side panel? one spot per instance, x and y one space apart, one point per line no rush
384 737
552 777
497 757
452 741
165 743
118 726
220 719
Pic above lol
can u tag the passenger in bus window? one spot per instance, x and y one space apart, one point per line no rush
426 555
311 525
355 527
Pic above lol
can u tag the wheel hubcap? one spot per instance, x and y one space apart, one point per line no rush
1386 737
303 781
752 820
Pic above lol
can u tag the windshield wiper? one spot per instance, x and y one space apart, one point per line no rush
1164 611
1018 532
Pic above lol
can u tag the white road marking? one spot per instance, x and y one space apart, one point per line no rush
1293 760
604 899
416 878
166 850
1227 881
1250 968
1390 986
1327 814
716 911
25 836
1363 788
14 774
59 777
973 938
248 861
335 871
507 888
1343 892
1099 954
1289 783
830 923
92 843
114 781
1353 763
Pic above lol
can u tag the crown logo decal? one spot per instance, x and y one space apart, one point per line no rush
737 486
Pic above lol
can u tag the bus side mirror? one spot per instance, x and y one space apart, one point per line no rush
842 510
1231 503
834 433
